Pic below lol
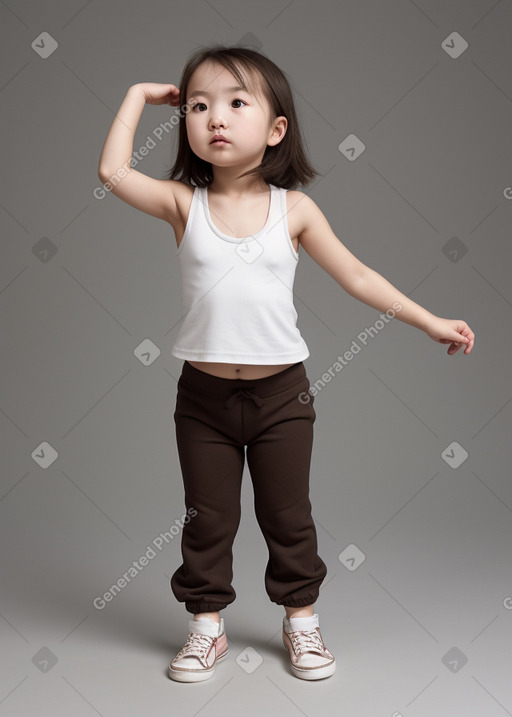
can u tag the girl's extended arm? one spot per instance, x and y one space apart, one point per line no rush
365 284
153 196
376 291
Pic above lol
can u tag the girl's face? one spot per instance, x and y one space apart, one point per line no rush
216 106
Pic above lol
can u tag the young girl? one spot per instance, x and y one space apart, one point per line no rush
238 228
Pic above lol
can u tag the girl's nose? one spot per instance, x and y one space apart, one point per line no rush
217 121
215 124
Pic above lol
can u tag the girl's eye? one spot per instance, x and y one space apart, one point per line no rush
199 104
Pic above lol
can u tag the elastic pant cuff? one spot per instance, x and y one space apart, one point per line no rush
197 607
298 602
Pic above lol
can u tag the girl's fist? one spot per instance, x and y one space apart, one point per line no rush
155 93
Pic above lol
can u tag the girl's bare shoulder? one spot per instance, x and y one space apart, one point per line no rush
297 204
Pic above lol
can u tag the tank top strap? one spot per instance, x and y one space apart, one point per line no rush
278 210
275 211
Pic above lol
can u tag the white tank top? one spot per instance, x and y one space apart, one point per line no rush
237 293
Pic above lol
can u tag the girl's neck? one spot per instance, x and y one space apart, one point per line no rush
230 186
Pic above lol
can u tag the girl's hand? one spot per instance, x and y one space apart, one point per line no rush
451 331
155 93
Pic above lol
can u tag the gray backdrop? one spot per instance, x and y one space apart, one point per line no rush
410 480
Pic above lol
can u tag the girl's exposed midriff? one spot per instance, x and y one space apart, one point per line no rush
238 370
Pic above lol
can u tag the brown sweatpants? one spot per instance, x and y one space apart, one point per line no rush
215 419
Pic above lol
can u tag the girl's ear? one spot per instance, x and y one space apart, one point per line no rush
278 131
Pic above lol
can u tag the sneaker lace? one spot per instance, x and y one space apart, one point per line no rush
306 640
196 645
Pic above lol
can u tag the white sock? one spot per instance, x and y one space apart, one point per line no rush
206 626
302 623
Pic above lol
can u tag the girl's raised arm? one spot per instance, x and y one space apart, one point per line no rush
153 196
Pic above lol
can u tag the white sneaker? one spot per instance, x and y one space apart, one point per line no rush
205 646
309 657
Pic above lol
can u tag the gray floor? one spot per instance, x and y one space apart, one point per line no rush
420 627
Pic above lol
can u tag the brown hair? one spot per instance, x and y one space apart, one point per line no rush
283 165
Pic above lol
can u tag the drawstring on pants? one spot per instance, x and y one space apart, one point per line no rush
239 394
